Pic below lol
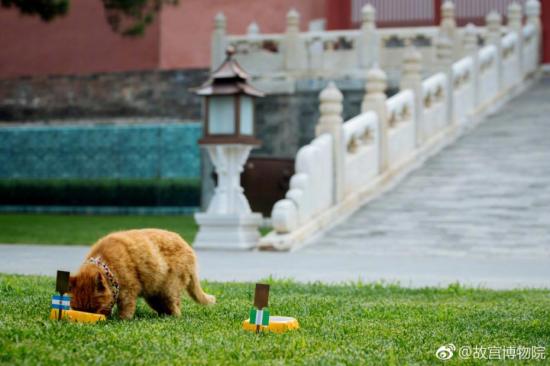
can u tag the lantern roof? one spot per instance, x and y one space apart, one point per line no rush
228 79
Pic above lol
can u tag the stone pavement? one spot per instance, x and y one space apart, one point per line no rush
477 213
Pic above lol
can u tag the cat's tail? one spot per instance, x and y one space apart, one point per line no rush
194 290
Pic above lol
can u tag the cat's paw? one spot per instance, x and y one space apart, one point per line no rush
211 299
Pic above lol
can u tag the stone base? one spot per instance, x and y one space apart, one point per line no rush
229 232
129 94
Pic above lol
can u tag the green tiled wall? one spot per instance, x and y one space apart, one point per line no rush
100 151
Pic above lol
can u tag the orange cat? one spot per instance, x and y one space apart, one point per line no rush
151 263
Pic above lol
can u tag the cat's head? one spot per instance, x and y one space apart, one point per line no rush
90 291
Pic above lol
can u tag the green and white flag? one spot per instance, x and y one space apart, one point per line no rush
259 317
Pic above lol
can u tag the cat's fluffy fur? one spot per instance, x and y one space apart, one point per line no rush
151 263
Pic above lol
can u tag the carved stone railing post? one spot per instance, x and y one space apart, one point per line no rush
411 78
494 24
368 40
515 17
253 29
471 49
294 51
219 41
375 100
515 20
444 54
447 28
493 21
532 10
330 121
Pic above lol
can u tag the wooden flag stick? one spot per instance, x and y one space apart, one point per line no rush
261 297
62 286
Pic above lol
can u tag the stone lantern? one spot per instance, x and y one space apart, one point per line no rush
229 137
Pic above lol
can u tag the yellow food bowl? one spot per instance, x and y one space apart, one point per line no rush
77 316
277 324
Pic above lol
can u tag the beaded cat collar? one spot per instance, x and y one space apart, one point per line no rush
110 276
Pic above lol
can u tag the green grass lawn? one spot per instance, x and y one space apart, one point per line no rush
346 324
86 229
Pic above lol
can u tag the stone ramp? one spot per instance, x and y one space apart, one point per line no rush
486 195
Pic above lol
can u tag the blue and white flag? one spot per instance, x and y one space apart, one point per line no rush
61 302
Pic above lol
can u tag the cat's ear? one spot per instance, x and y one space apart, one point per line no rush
99 285
72 282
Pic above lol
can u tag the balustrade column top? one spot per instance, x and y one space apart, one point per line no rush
220 21
377 81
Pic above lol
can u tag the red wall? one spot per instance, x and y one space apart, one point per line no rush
79 43
186 30
338 14
546 30
82 42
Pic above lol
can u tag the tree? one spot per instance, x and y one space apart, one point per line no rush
45 9
126 17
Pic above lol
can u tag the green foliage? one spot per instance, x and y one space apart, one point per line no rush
127 17
83 229
355 324
131 17
45 9
100 192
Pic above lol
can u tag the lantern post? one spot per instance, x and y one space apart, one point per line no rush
229 128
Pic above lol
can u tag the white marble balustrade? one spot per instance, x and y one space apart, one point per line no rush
352 162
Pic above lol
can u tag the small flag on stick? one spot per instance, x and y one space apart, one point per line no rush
61 302
62 286
259 314
259 317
